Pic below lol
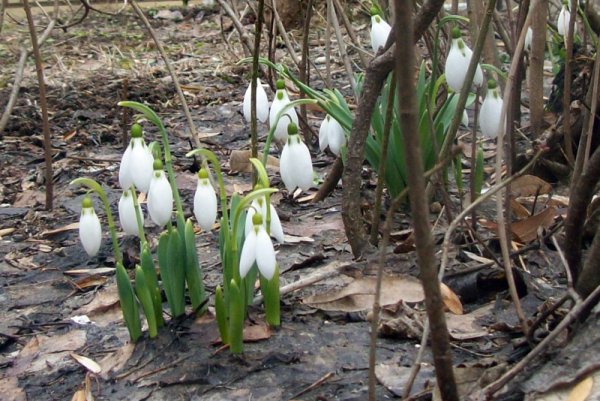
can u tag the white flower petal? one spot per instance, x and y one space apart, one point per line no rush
489 115
302 164
562 24
278 104
141 163
336 135
127 214
205 204
125 179
265 254
275 228
90 231
248 255
323 131
457 64
380 30
286 167
160 199
528 38
465 119
248 225
262 102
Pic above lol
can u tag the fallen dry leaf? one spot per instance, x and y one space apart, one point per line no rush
465 327
358 295
89 282
115 361
10 390
451 300
239 160
582 390
98 270
68 227
529 185
518 209
87 363
526 230
257 332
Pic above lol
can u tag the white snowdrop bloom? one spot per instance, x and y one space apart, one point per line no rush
90 231
465 119
275 228
295 164
490 113
528 39
136 164
563 20
457 63
331 134
262 102
205 202
127 215
279 102
380 30
258 248
160 196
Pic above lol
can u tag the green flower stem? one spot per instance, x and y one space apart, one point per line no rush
147 264
138 217
153 117
281 113
210 156
270 290
94 186
221 312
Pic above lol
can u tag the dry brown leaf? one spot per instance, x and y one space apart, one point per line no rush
518 209
87 363
79 395
582 390
257 332
68 227
115 361
465 327
529 185
358 295
29 198
526 230
239 160
90 282
451 300
98 270
6 231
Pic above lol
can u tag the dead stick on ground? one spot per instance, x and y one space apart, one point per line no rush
161 50
315 384
43 105
331 270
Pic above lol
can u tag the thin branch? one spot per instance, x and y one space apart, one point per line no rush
163 54
343 53
43 104
350 29
253 82
284 35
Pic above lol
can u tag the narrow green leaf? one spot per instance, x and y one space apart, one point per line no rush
236 319
128 303
144 295
193 274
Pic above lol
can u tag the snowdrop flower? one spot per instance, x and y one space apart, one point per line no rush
90 232
279 102
127 215
563 20
295 164
465 119
490 113
380 30
457 63
136 164
258 248
160 196
331 134
260 206
262 102
528 39
205 202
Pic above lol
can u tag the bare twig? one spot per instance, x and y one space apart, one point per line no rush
350 29
305 70
343 53
43 105
536 68
284 35
3 7
247 43
163 54
568 135
253 82
328 44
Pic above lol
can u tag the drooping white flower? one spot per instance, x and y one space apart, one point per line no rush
295 165
275 228
380 30
90 231
457 63
262 102
279 102
465 119
160 196
258 248
490 113
205 202
331 134
136 163
564 17
528 38
127 215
